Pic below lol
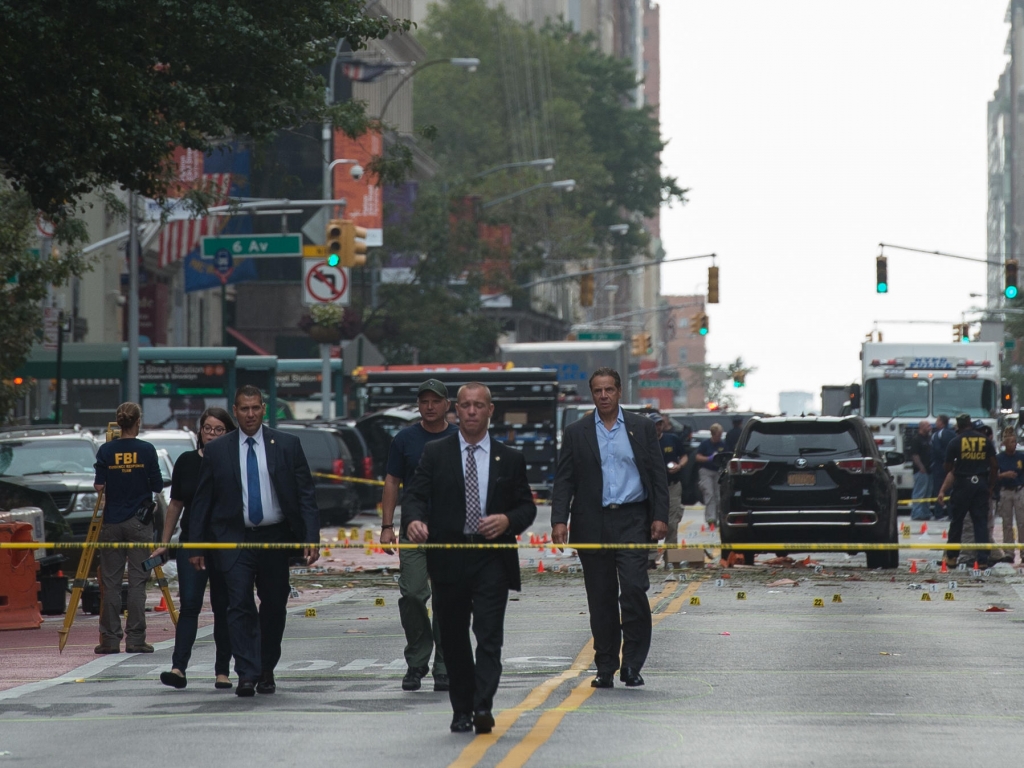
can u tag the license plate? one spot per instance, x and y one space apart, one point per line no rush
801 478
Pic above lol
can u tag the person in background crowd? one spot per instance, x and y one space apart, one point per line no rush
676 459
941 437
1010 506
213 424
733 435
709 468
920 454
127 474
971 472
996 555
422 635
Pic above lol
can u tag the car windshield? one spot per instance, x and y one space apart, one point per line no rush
889 398
34 457
971 396
795 440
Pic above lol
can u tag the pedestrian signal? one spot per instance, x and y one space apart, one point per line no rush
712 285
586 290
881 274
1010 291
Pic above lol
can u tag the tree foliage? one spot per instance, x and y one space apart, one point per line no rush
24 279
98 92
714 380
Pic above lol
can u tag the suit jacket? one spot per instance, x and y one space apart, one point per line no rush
437 496
940 443
216 510
579 481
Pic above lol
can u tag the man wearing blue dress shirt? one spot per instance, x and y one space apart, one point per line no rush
612 485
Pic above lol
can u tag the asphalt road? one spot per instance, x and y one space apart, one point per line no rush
880 678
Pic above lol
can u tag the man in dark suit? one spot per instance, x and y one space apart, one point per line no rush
471 489
611 481
255 487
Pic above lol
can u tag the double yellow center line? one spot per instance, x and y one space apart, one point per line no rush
550 719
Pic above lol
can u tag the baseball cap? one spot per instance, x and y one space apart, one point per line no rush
963 420
655 417
435 386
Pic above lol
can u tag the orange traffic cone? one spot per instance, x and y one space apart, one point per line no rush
711 527
924 528
545 539
162 606
913 566
976 565
540 567
943 569
945 535
702 528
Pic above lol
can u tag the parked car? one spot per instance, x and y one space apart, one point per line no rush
801 480
327 454
362 464
174 441
379 429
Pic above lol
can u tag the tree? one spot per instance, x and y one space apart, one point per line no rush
713 378
98 92
24 278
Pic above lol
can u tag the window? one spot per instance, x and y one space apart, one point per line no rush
896 397
793 439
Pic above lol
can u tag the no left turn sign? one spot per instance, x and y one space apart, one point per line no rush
323 284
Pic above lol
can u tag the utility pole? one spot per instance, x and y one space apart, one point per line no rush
133 303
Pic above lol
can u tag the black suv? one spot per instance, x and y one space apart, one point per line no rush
806 480
327 454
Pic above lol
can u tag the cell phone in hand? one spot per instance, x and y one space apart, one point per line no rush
153 562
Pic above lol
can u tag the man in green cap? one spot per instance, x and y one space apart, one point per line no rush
421 634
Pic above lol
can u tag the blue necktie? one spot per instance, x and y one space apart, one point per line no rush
252 473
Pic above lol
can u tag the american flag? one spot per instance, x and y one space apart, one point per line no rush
180 236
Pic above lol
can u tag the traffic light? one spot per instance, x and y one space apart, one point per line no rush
962 333
703 325
639 348
353 245
712 285
1006 397
335 229
1010 291
586 290
854 396
881 275
739 379
699 324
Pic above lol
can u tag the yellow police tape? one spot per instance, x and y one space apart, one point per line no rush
768 546
908 502
347 478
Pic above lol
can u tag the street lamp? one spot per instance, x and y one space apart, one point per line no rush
544 164
467 64
565 185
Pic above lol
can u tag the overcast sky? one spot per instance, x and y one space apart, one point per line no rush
809 132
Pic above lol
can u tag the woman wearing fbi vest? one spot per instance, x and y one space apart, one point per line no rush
128 474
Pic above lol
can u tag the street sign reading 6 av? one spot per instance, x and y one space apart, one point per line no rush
322 284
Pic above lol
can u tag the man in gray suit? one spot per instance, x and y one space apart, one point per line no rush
611 481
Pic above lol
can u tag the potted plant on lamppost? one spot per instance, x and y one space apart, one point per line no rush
323 323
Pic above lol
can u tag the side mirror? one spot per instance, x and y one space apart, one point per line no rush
894 458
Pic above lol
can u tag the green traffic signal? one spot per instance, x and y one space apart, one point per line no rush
882 288
333 260
1010 292
703 331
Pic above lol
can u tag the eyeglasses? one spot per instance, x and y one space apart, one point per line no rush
208 430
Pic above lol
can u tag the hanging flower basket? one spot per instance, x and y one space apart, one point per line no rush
324 334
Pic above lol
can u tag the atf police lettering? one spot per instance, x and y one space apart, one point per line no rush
973 448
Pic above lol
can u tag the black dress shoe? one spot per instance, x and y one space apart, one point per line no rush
462 723
441 682
603 680
483 721
173 680
266 684
631 677
246 688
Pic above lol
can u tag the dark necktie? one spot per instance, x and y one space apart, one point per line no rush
252 474
473 516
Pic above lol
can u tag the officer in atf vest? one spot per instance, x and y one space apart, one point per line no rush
971 471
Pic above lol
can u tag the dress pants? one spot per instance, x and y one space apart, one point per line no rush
616 580
709 489
256 634
482 593
422 633
112 563
191 590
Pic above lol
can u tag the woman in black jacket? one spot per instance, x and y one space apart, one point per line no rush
213 424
